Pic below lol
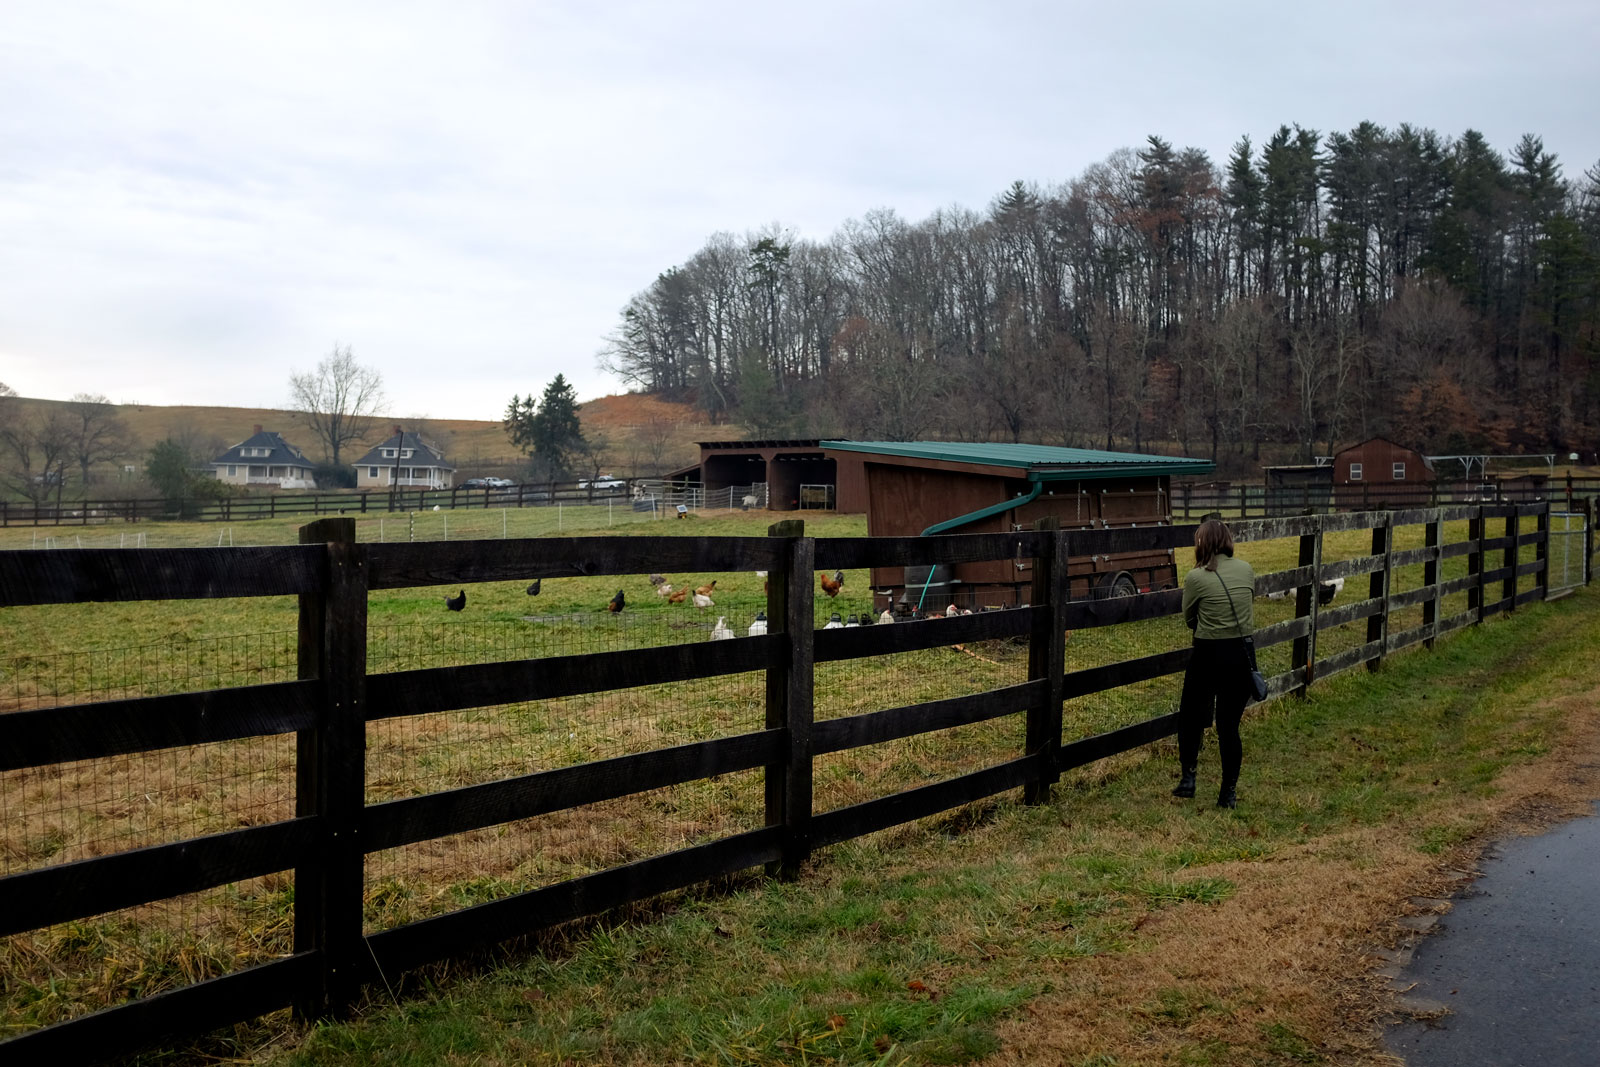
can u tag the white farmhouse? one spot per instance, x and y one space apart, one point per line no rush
265 458
405 459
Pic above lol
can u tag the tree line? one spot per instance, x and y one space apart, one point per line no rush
1305 292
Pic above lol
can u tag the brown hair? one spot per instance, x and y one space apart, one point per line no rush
1211 540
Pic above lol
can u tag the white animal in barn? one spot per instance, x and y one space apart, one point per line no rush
887 616
720 631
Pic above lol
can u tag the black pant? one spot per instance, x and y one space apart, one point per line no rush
1217 683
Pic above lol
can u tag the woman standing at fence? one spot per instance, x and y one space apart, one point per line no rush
1217 600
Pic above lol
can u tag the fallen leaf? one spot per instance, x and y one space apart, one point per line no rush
533 995
916 986
881 1043
836 1022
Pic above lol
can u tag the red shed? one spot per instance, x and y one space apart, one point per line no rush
1381 473
790 468
932 487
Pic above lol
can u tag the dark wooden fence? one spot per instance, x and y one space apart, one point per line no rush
328 708
274 505
1193 501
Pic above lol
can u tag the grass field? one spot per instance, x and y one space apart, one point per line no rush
82 652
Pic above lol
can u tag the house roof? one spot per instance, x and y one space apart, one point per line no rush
422 453
1042 463
280 451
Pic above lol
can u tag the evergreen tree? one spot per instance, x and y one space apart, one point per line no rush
547 432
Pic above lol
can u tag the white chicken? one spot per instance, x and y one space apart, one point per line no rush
886 617
664 589
720 631
702 601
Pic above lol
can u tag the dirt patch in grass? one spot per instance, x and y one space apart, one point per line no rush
1282 971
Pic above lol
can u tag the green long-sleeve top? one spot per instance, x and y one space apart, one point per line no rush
1205 605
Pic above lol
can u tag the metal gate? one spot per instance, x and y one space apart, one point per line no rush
1566 554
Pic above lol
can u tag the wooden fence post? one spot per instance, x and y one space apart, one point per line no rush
1432 538
1475 528
1378 588
330 772
1047 655
1589 513
1508 591
790 611
1304 650
1541 551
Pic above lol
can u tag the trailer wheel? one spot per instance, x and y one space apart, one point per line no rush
1117 585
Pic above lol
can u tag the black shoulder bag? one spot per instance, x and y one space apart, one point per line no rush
1258 684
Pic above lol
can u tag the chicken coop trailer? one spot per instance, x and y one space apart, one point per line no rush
935 487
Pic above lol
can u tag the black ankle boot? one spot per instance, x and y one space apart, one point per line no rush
1227 798
1185 786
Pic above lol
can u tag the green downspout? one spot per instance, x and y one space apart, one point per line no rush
975 516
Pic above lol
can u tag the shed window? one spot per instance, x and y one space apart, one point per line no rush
233 470
1355 472
372 472
1399 472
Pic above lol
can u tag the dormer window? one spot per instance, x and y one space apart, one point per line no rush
388 453
406 454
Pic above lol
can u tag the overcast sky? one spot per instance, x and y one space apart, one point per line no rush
198 198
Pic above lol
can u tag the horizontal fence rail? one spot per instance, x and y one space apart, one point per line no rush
335 825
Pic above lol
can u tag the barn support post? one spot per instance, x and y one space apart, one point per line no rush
1047 656
790 611
1303 652
330 772
1589 512
1378 587
1475 528
1508 590
1432 538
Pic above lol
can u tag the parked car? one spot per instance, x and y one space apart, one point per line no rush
605 482
475 483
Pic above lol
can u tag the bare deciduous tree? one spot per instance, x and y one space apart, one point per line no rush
338 400
97 432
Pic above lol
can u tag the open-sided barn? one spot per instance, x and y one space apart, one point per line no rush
933 487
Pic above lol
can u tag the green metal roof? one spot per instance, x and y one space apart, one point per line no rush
1043 463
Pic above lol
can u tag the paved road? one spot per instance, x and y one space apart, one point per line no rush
1517 960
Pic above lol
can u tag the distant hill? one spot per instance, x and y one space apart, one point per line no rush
642 434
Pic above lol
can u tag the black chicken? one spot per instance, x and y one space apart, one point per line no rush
533 590
457 602
617 603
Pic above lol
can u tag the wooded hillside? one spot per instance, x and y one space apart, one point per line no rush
1306 292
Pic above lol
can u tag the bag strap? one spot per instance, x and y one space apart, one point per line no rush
1231 604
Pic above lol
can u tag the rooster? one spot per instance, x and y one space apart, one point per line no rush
678 597
707 589
457 602
617 603
831 586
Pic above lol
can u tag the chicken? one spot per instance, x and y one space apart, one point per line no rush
720 631
834 622
617 603
678 597
533 589
758 628
832 585
702 601
657 579
887 616
664 589
457 602
951 612
707 589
